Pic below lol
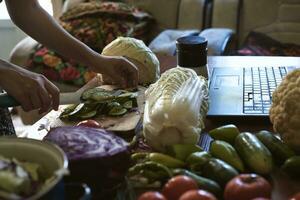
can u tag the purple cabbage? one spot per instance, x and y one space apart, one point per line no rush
80 142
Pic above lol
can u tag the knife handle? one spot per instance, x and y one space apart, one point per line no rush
7 101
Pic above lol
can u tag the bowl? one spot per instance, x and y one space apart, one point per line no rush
52 159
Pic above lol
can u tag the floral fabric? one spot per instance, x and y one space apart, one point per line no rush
259 44
56 68
96 24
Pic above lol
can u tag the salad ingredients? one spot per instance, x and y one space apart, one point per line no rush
166 160
291 166
280 151
182 151
81 142
90 123
226 152
203 183
98 150
178 185
219 171
197 160
197 195
151 170
175 109
226 133
98 101
18 177
138 53
254 153
152 196
285 110
247 187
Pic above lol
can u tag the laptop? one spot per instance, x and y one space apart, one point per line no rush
244 91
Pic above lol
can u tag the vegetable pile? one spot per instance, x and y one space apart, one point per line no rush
18 179
236 166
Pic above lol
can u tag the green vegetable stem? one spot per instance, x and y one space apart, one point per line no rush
151 170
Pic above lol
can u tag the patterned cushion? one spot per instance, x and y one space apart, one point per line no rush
259 44
96 24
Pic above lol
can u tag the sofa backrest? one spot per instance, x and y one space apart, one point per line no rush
169 14
279 19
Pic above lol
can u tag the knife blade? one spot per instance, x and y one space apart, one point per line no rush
64 98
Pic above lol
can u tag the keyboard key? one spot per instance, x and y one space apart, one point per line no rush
265 98
259 84
253 112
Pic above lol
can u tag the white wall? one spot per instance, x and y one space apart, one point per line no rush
10 35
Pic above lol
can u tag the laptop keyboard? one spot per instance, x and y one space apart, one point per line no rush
259 84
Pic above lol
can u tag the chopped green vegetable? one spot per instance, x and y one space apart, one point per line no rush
98 101
116 111
128 105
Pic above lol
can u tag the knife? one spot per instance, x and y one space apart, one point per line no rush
64 98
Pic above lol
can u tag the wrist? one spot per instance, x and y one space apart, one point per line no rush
4 71
98 63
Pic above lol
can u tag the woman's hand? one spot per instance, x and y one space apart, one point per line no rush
119 70
32 90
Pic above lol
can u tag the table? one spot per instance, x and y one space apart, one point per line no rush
283 186
237 61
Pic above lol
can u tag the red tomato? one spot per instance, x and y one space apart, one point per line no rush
247 187
296 196
152 196
197 195
90 123
178 185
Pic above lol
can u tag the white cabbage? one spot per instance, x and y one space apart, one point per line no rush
175 109
137 52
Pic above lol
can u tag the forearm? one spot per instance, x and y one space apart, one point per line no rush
6 69
32 19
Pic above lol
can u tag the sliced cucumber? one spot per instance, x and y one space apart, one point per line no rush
128 94
76 110
128 105
87 94
88 115
68 110
117 111
114 104
97 94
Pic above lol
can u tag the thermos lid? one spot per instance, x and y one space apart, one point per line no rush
191 51
191 43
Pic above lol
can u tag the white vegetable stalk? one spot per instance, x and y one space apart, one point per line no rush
176 106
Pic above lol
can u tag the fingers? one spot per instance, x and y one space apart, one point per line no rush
54 93
35 100
131 75
128 73
45 100
25 102
43 96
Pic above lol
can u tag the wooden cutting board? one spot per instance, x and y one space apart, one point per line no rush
125 124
